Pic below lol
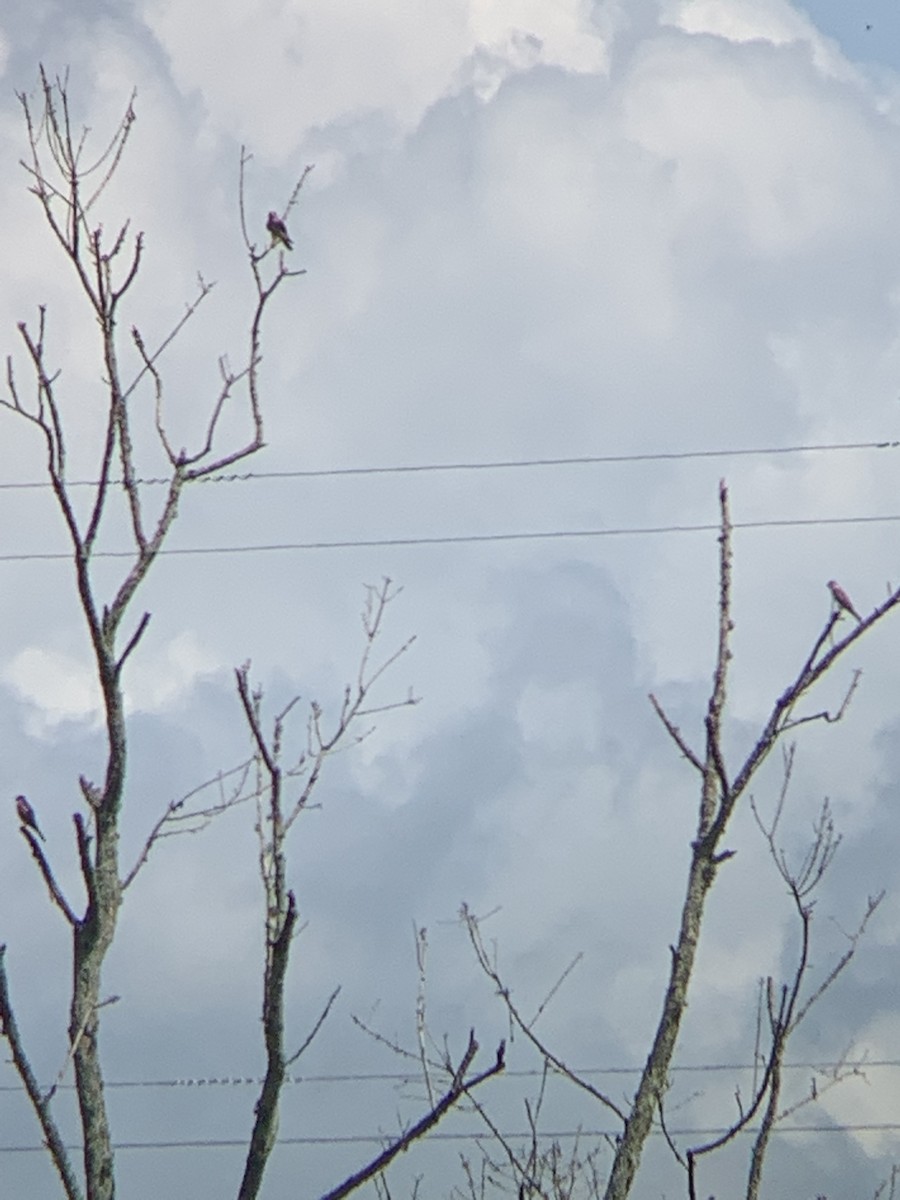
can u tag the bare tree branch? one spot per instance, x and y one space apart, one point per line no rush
10 1030
320 1021
786 1012
471 923
459 1087
675 734
192 820
44 867
421 940
272 827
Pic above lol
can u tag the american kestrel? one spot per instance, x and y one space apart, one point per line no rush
278 230
27 817
842 600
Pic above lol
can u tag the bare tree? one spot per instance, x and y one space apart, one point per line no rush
721 790
69 184
782 1009
276 814
69 181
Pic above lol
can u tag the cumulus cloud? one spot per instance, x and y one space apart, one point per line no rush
548 231
56 687
323 65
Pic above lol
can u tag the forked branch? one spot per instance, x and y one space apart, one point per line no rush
460 1085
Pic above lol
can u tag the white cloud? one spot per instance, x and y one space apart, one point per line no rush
865 1099
163 682
774 21
322 65
628 236
56 686
771 20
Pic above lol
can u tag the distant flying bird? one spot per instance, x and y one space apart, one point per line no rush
278 230
842 600
27 817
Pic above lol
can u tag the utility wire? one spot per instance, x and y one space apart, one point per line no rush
480 1135
465 538
495 465
413 1077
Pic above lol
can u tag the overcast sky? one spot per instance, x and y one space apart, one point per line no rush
639 230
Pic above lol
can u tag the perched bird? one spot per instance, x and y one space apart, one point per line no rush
842 600
278 230
27 817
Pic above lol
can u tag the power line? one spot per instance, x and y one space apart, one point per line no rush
411 1077
494 464
480 1135
444 1135
466 538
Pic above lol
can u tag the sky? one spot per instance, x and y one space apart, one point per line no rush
653 237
